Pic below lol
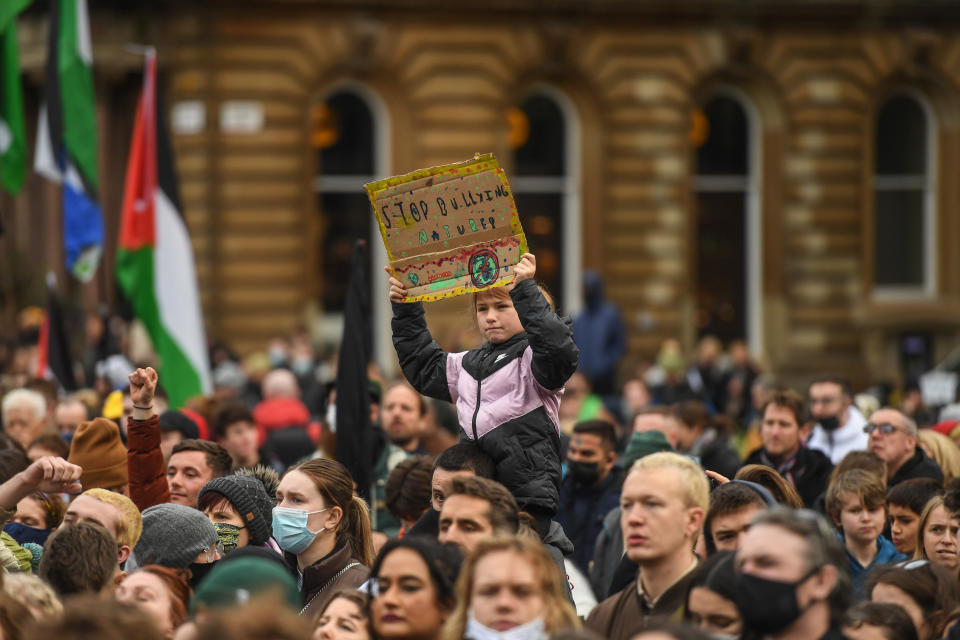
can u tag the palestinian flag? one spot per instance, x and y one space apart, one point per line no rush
154 257
53 349
13 132
66 151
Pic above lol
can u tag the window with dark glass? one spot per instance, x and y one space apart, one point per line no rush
343 136
901 193
539 139
721 189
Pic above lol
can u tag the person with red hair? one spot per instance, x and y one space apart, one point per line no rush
163 593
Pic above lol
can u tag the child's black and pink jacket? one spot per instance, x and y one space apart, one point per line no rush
507 395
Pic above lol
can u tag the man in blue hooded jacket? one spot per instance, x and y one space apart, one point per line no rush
599 333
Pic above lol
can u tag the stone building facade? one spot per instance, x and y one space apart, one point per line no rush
780 172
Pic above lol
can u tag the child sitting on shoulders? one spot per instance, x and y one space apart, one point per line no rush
507 391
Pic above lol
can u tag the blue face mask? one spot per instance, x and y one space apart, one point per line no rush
23 534
290 529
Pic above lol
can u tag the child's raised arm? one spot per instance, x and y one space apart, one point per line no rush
555 354
423 362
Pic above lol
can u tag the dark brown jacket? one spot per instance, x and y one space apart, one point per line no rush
625 614
336 571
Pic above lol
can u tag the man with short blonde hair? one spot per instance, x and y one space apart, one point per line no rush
114 511
693 479
664 499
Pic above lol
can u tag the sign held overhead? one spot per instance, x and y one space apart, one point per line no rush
451 229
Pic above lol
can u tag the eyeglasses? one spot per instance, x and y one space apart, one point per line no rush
213 552
886 428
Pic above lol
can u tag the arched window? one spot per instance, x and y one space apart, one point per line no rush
343 136
349 133
728 219
904 250
543 137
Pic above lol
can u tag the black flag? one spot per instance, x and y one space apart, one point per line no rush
354 437
54 349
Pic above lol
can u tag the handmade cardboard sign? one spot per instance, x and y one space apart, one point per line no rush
451 229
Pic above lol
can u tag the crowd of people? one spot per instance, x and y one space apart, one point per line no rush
518 493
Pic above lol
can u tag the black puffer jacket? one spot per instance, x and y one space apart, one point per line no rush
507 394
920 465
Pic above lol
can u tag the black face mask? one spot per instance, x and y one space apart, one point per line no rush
830 423
768 606
584 474
199 571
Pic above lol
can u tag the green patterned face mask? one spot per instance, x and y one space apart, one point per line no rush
229 535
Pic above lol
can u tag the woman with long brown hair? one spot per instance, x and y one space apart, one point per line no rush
510 584
324 530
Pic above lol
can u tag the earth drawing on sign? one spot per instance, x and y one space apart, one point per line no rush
484 268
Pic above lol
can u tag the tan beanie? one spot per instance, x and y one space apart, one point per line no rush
97 447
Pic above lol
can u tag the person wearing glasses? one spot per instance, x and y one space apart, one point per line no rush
893 438
178 537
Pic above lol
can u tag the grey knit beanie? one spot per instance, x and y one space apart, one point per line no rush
173 536
248 496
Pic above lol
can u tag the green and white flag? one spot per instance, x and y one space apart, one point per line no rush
66 149
13 133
